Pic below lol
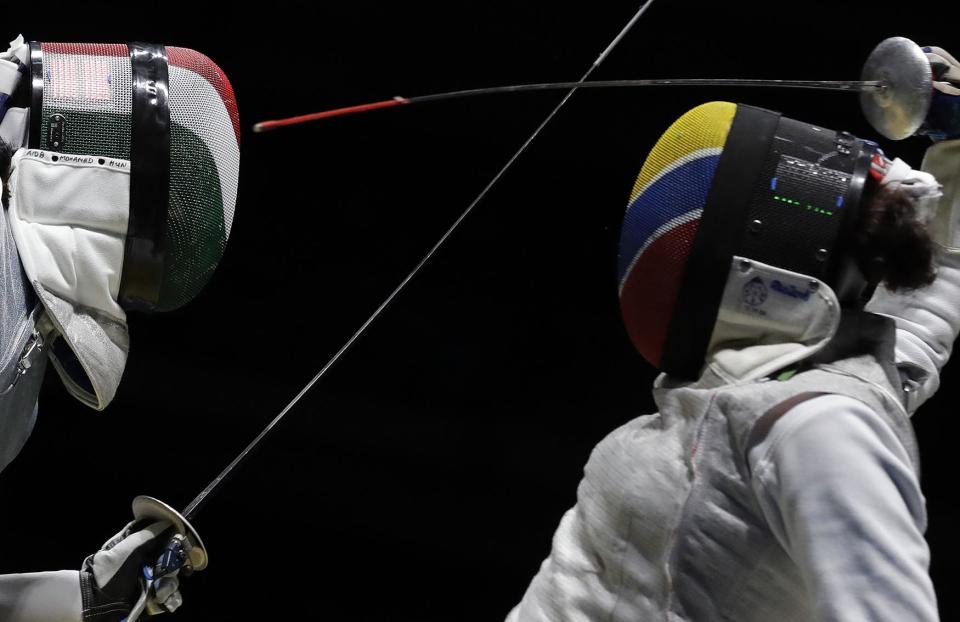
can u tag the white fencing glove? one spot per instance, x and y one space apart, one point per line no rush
110 587
943 119
118 579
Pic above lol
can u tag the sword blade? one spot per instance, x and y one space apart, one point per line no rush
199 500
851 86
828 85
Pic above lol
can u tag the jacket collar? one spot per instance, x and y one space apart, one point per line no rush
769 318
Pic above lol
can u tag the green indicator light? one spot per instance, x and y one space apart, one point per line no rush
797 203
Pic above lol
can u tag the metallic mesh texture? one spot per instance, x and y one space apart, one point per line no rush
90 85
204 172
807 195
661 222
800 204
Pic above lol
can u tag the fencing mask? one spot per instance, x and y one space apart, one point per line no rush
729 181
121 191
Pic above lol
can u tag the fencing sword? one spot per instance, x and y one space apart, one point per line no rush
186 552
895 88
828 85
194 506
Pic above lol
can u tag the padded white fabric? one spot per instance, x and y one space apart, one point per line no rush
13 128
69 218
9 76
941 160
18 49
792 317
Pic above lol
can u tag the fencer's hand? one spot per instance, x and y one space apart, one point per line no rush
110 580
943 120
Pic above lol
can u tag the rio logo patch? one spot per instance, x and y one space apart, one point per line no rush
790 290
754 292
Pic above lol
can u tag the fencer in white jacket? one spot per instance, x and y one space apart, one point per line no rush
758 496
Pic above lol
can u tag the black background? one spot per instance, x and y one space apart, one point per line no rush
422 479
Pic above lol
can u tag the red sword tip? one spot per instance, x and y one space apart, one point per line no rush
265 126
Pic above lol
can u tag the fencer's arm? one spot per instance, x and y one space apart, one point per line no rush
928 319
839 492
105 589
41 597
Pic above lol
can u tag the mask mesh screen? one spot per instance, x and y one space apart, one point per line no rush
204 170
661 221
90 85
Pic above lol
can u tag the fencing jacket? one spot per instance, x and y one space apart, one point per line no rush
747 497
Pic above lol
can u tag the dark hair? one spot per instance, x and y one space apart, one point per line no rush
6 155
892 246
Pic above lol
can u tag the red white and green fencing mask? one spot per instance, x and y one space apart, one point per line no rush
122 191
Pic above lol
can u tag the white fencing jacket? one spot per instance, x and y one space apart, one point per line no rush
722 507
